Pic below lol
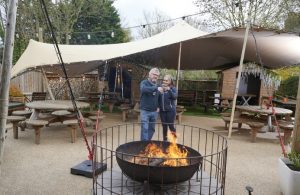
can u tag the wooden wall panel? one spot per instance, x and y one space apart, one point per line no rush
29 82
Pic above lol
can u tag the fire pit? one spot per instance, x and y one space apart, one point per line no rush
200 167
152 169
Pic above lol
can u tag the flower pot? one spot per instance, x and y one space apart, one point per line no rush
289 180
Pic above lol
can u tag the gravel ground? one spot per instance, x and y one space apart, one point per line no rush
45 169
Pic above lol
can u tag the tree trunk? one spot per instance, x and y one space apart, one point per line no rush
296 133
6 71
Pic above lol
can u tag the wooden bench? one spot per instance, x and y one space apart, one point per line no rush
26 113
237 120
179 116
125 110
288 128
15 120
73 123
186 97
61 115
38 96
37 125
94 119
255 127
8 126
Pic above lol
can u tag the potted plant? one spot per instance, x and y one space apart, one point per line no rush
289 173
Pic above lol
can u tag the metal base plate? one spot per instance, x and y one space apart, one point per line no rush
85 169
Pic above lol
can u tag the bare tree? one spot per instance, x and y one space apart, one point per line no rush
153 23
233 13
67 13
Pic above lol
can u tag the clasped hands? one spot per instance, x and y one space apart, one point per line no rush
163 88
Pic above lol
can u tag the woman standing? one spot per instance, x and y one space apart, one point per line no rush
167 105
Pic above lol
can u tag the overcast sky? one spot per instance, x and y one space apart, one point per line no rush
131 11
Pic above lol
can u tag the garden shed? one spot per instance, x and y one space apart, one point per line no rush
253 86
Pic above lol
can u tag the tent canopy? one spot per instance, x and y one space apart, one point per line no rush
200 50
84 58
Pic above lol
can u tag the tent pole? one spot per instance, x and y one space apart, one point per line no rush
47 84
6 70
178 68
239 74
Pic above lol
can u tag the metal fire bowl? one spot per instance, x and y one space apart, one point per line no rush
156 174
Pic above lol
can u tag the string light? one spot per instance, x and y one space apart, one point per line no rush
139 26
112 32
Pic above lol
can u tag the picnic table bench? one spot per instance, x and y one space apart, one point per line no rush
186 97
13 106
125 109
257 123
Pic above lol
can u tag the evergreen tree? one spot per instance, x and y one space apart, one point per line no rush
98 23
292 23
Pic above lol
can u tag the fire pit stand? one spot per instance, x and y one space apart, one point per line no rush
207 156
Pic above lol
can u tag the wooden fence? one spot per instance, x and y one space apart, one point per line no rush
29 82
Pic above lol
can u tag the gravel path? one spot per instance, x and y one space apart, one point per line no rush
45 169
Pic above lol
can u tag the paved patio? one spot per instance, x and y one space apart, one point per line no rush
45 169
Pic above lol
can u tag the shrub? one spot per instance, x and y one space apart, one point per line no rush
294 157
14 91
289 87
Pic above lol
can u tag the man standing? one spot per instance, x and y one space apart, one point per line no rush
149 104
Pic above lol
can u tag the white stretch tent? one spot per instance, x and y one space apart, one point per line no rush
200 50
84 58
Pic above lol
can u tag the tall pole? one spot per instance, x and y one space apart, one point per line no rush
47 85
296 132
43 72
6 71
178 67
240 71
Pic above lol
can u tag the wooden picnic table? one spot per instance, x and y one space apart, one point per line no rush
288 104
110 98
267 111
53 105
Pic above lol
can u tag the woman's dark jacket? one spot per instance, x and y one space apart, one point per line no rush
166 100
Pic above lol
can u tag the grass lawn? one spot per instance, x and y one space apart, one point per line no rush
199 111
190 111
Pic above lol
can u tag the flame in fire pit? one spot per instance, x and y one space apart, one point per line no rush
173 151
